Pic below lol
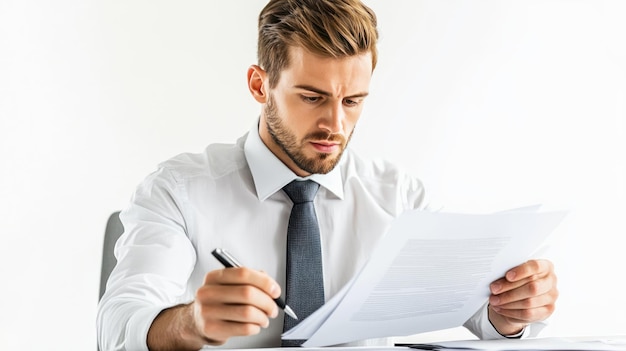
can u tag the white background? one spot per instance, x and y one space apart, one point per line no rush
494 104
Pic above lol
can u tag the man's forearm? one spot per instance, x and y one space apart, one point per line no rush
174 329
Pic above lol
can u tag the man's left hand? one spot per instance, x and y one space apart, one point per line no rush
526 294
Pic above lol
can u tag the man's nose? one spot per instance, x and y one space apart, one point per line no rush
333 121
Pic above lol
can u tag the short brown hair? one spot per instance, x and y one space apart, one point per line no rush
329 28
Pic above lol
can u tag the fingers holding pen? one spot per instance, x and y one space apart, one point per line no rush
235 302
244 276
241 286
216 323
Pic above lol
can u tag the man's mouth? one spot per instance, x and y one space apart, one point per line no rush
325 146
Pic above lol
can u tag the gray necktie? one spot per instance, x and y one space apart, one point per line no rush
305 279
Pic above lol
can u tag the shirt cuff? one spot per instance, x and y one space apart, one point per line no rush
518 335
480 325
138 327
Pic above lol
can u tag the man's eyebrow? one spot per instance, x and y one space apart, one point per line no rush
325 93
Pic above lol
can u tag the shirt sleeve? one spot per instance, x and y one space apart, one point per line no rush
414 195
480 326
154 261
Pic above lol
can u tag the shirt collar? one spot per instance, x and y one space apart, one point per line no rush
270 174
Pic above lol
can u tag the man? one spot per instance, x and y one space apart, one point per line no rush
316 58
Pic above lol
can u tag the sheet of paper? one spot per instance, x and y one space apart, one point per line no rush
431 271
543 344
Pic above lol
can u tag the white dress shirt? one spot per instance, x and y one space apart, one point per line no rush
230 197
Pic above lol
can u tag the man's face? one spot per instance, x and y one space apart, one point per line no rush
310 115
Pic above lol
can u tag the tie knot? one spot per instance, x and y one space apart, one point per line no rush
301 191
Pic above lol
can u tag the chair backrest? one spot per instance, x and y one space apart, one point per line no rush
114 229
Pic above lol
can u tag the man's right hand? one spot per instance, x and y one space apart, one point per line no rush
231 302
234 302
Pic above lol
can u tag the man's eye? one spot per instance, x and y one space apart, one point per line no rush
349 102
310 99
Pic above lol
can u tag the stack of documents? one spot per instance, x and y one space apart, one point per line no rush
541 344
431 271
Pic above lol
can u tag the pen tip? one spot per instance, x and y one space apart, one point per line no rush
290 312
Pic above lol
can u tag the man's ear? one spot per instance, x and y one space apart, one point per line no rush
256 83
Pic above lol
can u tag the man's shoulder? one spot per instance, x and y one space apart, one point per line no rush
374 169
387 183
217 160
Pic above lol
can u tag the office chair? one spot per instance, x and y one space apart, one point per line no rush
114 229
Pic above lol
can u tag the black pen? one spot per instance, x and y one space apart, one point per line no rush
229 262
